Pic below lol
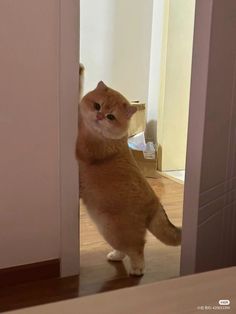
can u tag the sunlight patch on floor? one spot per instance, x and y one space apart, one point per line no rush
179 175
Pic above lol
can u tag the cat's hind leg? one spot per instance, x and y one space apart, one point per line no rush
115 256
136 263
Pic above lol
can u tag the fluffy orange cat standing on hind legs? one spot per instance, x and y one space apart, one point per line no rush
117 196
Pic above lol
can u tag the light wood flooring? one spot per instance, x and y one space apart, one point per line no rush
97 274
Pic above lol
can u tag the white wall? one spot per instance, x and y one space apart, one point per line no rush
155 69
175 84
115 44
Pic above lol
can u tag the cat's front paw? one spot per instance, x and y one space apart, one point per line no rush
115 256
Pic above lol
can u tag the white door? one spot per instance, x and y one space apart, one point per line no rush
209 224
38 127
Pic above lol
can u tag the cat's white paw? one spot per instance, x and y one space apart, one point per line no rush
115 256
137 264
136 271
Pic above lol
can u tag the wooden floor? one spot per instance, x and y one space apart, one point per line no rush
97 274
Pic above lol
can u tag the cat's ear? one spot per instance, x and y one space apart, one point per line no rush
102 86
130 111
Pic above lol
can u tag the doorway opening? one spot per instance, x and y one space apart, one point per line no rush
143 49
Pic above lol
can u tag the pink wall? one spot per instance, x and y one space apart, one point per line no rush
29 131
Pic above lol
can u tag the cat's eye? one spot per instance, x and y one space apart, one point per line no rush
110 117
97 106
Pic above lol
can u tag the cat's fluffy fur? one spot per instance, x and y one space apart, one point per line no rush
116 194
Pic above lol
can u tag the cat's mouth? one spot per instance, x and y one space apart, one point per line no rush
97 125
99 129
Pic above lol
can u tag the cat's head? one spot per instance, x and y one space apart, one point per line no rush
106 112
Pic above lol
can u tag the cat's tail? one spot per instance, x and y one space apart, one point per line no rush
161 227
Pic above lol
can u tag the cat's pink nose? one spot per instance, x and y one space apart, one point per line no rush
100 116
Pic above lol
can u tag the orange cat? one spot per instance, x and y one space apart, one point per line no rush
116 194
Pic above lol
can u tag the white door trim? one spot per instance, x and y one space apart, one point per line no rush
68 103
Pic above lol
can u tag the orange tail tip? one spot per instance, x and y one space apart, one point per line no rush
161 227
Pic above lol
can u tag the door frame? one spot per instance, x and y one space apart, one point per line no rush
68 86
198 94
